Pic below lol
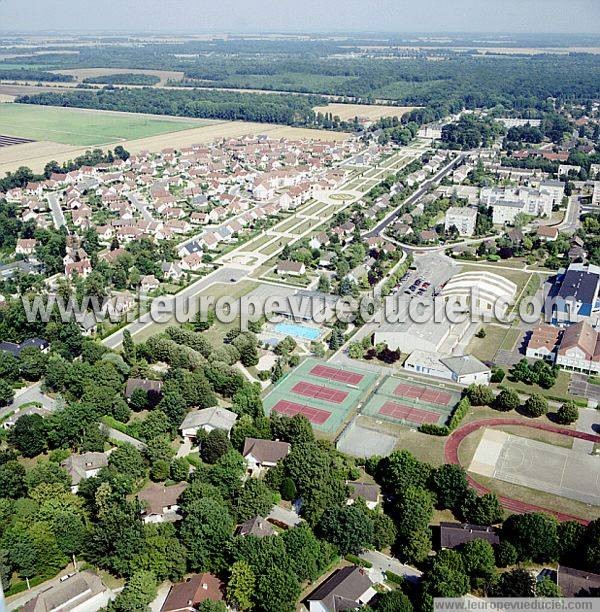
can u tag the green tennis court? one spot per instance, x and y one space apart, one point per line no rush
327 394
411 403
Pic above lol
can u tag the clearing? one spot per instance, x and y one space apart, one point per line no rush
372 111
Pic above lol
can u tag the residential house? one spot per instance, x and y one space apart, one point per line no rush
348 588
257 526
261 455
187 596
171 270
207 419
86 465
160 503
80 592
370 493
151 387
290 268
149 283
25 246
456 534
577 583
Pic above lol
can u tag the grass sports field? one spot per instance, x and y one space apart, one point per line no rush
84 128
326 394
409 403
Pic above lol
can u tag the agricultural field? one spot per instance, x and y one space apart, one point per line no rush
372 111
81 74
79 127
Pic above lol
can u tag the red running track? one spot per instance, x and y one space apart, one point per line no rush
514 505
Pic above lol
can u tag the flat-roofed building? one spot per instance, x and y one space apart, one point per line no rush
462 218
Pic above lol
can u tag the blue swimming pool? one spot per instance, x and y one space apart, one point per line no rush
295 330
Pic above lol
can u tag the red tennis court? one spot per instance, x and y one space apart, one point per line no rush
323 371
318 392
314 415
408 413
425 394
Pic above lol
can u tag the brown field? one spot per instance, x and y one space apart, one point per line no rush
6 98
37 155
84 73
372 111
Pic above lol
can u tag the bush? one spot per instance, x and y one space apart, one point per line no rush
394 578
358 561
507 400
506 554
568 413
535 406
459 413
434 430
498 375
479 395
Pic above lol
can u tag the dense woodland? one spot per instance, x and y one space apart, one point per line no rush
123 79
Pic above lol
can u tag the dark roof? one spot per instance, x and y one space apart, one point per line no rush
256 526
577 583
342 590
15 349
150 386
580 285
369 492
455 534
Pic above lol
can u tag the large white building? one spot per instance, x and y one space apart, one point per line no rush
480 292
462 369
462 218
508 202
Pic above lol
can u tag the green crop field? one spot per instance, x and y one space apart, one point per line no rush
83 128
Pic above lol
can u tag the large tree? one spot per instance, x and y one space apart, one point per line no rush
349 528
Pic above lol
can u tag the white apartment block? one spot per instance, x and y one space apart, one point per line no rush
463 219
508 202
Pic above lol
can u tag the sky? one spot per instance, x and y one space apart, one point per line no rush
523 16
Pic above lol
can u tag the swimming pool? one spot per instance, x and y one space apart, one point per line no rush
295 330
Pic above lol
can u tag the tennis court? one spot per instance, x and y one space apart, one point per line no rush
327 405
323 371
314 415
408 413
410 403
317 391
426 394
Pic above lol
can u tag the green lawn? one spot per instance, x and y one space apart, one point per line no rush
82 128
496 337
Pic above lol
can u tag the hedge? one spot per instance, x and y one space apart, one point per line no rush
392 577
434 430
358 561
454 419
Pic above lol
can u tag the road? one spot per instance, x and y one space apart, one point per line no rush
31 394
384 563
57 214
414 197
571 221
222 275
138 202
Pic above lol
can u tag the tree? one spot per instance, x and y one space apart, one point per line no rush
478 559
7 393
480 395
307 556
416 548
277 371
546 587
481 510
591 546
277 590
568 413
414 510
394 601
535 406
206 531
29 435
516 583
32 363
139 400
127 460
507 400
241 585
287 489
255 499
128 347
445 581
355 350
349 528
401 470
12 480
49 473
506 554
139 591
449 482
208 605
384 531
534 535
214 446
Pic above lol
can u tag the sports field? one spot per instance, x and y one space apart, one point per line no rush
80 127
538 465
410 403
326 395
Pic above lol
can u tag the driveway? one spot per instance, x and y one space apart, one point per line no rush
26 396
383 563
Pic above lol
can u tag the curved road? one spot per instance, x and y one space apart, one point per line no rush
515 505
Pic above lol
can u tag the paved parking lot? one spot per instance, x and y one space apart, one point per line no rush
580 386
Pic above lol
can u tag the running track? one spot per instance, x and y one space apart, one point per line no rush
514 505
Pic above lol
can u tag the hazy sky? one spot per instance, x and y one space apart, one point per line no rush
303 15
